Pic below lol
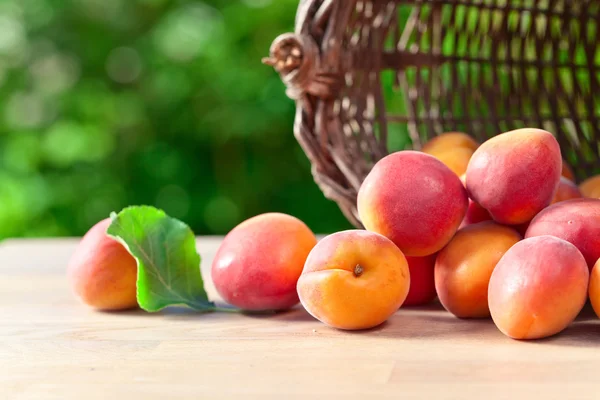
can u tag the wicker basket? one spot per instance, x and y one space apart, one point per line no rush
372 77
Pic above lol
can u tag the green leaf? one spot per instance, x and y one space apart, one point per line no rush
168 263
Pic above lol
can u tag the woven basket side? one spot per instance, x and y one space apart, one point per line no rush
311 62
371 77
494 69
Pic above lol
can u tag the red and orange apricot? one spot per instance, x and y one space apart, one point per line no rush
538 288
463 268
102 273
422 282
354 280
515 175
414 200
577 221
259 262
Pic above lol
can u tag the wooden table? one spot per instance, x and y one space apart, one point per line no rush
52 347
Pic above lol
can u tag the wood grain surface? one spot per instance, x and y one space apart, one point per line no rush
52 347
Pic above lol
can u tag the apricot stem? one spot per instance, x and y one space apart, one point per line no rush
358 270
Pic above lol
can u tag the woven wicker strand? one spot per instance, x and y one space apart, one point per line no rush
364 74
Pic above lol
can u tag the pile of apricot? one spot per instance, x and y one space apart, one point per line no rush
498 229
504 228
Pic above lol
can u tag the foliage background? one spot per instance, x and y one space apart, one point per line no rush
107 103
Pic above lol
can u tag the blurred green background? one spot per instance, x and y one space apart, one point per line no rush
108 103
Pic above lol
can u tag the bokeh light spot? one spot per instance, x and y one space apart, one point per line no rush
12 35
220 214
37 12
184 33
55 73
174 200
68 142
25 110
103 10
124 65
22 152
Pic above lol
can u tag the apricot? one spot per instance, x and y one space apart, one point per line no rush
414 200
259 262
354 279
456 159
449 140
515 175
463 268
577 221
591 187
522 228
454 149
594 290
567 190
475 213
422 283
567 171
538 288
101 271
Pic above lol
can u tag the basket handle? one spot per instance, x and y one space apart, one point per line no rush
297 60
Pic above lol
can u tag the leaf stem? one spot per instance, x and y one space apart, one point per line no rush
209 307
205 306
228 310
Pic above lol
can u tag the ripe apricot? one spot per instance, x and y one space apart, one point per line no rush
102 273
422 282
475 213
454 149
591 187
577 221
456 159
354 279
259 262
414 200
515 175
538 288
594 290
449 140
463 268
567 190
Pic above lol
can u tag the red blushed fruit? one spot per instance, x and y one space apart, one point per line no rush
422 281
259 262
576 221
102 273
567 190
515 175
537 288
414 200
522 228
475 214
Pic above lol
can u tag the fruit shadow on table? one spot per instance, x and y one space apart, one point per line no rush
405 324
